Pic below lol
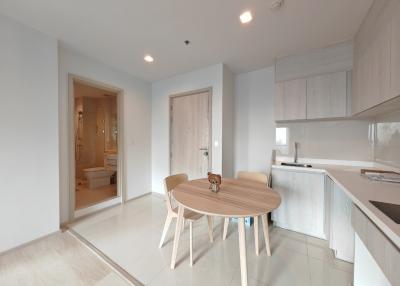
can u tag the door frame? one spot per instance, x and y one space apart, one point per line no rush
170 110
121 192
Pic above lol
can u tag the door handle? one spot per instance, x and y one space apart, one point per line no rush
203 149
205 153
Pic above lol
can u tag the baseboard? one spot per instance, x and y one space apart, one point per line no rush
138 197
157 194
29 242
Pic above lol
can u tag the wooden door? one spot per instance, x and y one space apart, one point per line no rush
190 134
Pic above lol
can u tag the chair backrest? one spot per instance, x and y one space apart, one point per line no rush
170 183
253 176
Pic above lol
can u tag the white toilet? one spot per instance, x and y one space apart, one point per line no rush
100 176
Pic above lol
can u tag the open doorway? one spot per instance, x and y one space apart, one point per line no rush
96 145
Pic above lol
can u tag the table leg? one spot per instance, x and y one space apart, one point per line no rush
226 224
210 228
264 219
242 251
177 235
256 234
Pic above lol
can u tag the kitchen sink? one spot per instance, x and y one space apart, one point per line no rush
390 210
297 165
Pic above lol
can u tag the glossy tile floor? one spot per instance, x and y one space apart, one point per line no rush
129 235
59 259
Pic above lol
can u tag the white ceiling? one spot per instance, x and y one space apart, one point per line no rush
120 32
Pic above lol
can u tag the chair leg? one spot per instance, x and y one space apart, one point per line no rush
165 230
210 228
266 233
191 242
256 234
226 224
177 236
183 225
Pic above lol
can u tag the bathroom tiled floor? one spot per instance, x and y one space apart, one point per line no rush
85 197
129 235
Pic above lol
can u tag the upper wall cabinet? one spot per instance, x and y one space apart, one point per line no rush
327 96
290 100
317 97
395 52
376 57
314 85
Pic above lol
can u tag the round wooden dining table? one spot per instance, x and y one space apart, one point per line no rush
235 199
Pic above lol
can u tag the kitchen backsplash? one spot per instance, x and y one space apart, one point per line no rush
387 139
337 140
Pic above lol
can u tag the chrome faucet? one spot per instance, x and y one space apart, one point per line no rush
296 147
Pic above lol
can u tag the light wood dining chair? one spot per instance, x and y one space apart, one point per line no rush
264 179
170 183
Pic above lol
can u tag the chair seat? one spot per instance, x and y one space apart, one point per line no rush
189 215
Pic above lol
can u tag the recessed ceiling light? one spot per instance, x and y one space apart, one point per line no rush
246 17
148 58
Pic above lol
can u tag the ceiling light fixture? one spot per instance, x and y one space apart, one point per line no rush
148 58
246 17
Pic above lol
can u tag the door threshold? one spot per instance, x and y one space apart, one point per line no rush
97 207
114 266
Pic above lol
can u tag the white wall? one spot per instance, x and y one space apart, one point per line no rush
208 77
228 87
29 135
254 120
137 123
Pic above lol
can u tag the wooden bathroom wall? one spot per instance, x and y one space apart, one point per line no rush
96 134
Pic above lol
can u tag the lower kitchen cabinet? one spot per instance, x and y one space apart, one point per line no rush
341 232
377 259
303 201
314 205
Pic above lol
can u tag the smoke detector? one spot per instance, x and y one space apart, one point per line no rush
276 4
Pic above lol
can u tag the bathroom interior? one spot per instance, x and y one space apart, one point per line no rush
96 144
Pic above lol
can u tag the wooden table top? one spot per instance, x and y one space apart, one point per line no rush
236 198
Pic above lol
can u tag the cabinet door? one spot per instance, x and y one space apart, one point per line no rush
381 64
327 95
341 231
372 58
302 206
290 100
395 52
357 81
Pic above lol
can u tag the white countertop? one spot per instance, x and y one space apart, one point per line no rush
361 190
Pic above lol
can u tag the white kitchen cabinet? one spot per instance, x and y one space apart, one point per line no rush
341 232
377 259
395 52
373 57
290 100
327 95
366 271
303 201
380 57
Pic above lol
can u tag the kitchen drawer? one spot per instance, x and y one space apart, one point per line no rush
376 241
392 263
359 222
